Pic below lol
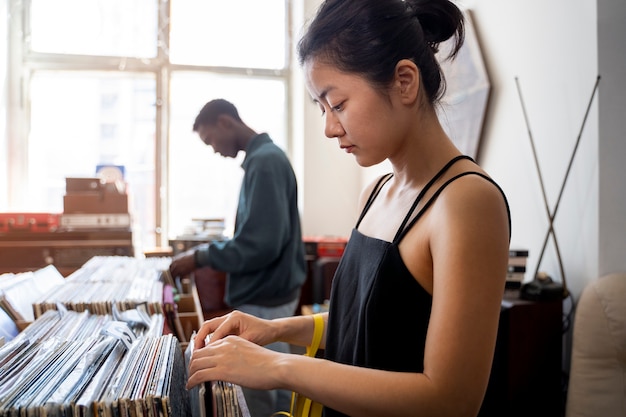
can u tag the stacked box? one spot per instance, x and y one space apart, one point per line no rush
517 268
91 203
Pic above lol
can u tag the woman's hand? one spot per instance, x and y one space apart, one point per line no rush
254 329
235 360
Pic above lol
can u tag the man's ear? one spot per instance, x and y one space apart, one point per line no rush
407 81
224 121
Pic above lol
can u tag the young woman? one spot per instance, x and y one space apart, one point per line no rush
416 298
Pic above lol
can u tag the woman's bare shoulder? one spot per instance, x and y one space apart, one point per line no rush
369 188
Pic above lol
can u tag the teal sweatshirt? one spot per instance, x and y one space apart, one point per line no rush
264 260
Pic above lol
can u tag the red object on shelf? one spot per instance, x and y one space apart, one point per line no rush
325 247
29 222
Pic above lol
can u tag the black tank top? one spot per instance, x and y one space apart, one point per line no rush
379 313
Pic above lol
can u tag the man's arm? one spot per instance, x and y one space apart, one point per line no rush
263 221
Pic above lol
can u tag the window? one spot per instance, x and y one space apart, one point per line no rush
4 157
94 27
229 33
120 83
82 119
197 174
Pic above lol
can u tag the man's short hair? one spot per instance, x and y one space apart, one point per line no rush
212 110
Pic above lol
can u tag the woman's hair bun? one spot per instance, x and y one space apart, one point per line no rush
440 20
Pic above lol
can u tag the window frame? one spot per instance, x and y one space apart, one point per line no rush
23 63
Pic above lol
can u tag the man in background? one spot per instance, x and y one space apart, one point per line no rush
264 260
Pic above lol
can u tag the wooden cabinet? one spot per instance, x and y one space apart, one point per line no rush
66 250
526 378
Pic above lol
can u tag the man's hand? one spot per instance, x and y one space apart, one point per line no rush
183 263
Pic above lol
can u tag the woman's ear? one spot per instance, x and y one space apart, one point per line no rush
407 81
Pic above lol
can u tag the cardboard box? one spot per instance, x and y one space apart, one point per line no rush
95 202
81 185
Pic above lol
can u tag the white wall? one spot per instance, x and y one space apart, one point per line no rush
552 49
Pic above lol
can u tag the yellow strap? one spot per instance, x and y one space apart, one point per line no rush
306 407
318 331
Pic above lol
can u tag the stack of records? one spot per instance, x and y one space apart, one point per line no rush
215 398
69 363
19 291
517 268
107 282
227 400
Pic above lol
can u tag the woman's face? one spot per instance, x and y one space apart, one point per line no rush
359 116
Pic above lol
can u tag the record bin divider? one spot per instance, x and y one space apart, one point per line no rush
189 309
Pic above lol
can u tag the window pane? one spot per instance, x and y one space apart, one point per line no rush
203 184
82 120
4 161
243 33
95 27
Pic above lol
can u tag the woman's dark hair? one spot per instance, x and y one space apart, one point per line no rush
369 37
